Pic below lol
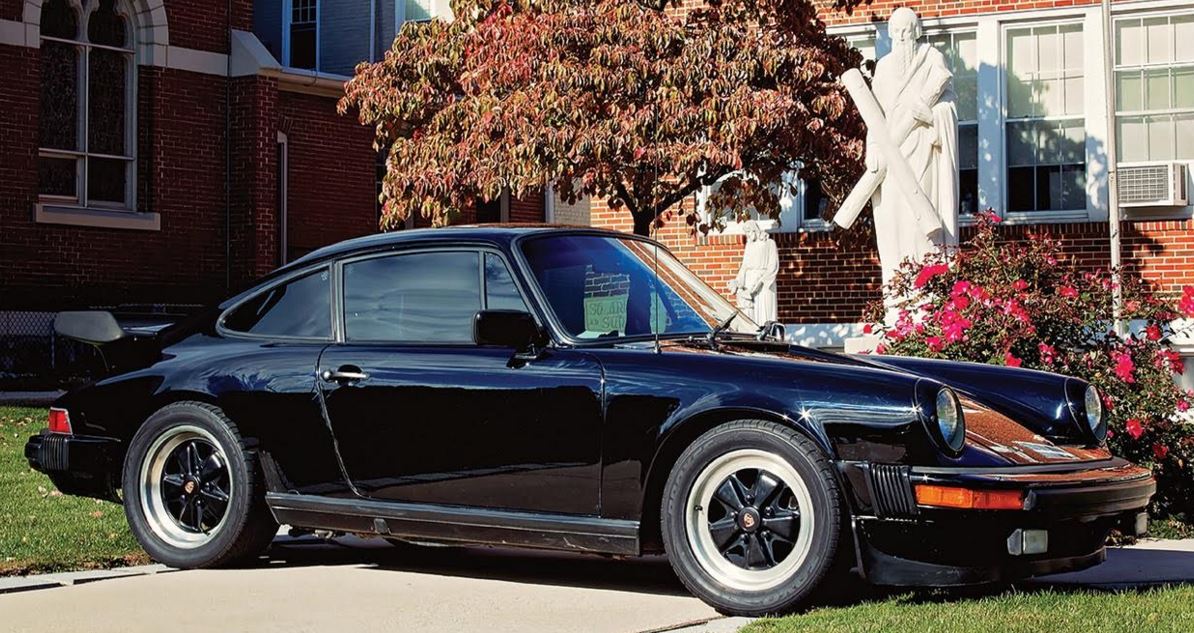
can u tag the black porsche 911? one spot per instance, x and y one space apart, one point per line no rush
580 390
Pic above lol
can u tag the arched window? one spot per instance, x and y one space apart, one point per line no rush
87 155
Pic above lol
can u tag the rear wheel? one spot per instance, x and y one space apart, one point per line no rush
752 518
192 491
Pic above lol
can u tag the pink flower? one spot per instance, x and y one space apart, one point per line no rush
1010 360
934 343
868 328
1124 367
1020 285
1186 305
1069 292
1048 353
1183 405
880 348
961 287
1153 332
1160 451
1171 359
927 274
1134 428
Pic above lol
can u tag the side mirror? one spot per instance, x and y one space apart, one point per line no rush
506 328
95 327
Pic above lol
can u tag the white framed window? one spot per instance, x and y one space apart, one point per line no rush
87 117
300 34
1044 120
961 56
1154 87
423 10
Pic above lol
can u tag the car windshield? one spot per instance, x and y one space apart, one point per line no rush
601 286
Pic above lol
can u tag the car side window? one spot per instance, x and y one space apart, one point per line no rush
417 297
299 308
500 291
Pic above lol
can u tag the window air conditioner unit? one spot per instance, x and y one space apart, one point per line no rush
1153 185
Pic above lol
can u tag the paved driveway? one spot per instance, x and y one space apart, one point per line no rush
311 586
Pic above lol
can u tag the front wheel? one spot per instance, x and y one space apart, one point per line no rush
192 491
752 518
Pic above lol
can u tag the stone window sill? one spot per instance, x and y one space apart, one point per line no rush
99 218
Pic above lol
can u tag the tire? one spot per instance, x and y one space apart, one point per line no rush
180 463
760 558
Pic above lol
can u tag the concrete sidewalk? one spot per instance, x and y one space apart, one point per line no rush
358 585
368 585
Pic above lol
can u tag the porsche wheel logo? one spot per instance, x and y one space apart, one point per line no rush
748 521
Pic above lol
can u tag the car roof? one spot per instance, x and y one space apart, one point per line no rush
495 234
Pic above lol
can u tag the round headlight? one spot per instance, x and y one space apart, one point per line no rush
949 419
1093 406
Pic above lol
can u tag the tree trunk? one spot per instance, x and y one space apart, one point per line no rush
642 223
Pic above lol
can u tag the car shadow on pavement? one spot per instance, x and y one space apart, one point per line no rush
650 574
1126 569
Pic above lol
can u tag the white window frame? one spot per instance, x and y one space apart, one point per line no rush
1042 216
288 21
1145 66
53 208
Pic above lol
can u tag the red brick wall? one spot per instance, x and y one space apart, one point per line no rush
528 209
204 25
49 266
12 9
254 219
881 9
331 173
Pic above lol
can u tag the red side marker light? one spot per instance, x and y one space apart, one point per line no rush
60 421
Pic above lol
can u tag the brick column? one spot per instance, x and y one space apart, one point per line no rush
254 224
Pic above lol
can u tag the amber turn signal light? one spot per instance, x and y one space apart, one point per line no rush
964 498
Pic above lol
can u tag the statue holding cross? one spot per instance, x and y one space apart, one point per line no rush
911 151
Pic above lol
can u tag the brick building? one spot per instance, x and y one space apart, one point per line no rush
157 153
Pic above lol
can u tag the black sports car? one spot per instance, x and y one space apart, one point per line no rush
580 390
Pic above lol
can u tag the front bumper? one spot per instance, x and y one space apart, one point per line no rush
1076 505
77 464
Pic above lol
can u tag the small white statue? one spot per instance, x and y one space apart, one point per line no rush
755 286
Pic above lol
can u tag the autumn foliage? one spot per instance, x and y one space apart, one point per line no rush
1022 304
639 103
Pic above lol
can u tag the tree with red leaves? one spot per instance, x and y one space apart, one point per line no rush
635 102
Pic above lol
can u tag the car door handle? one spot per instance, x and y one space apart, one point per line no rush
343 375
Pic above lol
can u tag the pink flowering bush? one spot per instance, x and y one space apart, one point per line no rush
1023 304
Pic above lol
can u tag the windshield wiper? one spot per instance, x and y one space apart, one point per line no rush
721 327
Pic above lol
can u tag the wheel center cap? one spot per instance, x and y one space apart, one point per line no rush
749 519
190 486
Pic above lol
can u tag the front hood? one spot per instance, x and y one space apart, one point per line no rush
1002 428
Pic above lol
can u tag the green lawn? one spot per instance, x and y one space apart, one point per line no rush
40 528
1046 611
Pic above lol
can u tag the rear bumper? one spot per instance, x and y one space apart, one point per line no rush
77 464
1074 507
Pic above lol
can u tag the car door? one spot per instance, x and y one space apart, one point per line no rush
422 414
264 376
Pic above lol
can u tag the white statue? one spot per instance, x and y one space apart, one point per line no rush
755 284
912 134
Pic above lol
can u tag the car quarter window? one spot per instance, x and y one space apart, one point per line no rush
500 291
298 308
417 297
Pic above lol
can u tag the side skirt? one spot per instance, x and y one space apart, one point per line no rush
456 523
